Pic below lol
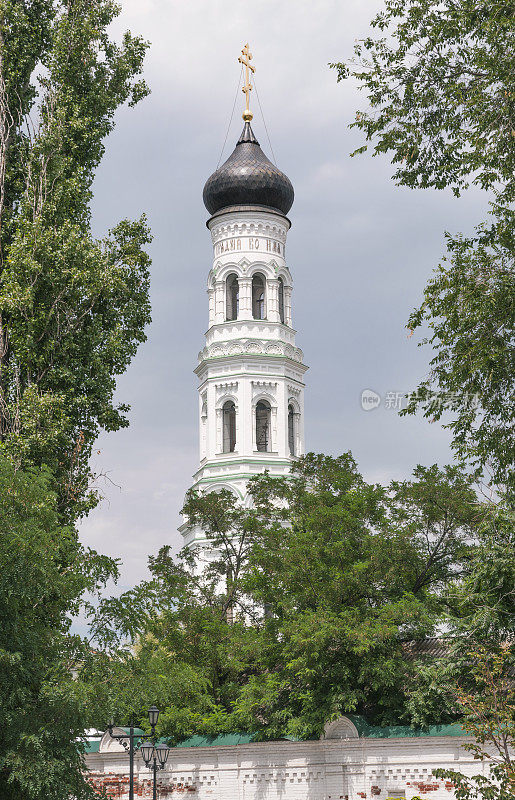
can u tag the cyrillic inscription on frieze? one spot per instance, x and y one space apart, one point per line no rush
260 243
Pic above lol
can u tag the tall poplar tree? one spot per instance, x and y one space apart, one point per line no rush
73 308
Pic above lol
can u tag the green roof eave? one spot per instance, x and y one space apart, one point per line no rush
368 731
224 740
365 731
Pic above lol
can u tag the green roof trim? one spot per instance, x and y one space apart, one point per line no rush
224 740
137 731
402 731
365 731
92 746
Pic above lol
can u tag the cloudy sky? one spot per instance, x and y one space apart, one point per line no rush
360 249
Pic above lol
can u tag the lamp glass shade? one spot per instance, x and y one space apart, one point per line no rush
153 715
162 751
147 749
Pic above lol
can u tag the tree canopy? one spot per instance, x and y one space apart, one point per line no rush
44 572
73 310
438 79
310 609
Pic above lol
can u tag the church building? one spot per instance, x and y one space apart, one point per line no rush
251 418
250 371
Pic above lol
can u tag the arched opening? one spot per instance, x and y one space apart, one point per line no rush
258 296
291 430
232 297
229 427
263 426
281 300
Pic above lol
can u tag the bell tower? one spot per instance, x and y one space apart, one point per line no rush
250 371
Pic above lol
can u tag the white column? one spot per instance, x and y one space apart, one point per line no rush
203 425
219 432
211 295
273 433
237 423
219 301
287 306
272 300
297 437
211 421
245 289
253 425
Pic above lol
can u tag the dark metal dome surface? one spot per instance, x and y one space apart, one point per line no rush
248 178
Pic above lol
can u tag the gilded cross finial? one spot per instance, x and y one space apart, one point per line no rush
245 59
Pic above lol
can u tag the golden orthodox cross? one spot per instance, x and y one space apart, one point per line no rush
245 59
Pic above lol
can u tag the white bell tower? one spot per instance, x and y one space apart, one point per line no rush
251 375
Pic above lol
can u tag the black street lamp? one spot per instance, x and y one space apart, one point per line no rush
131 741
157 755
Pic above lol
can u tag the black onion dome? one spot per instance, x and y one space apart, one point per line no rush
248 178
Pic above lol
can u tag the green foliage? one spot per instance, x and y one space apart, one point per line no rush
72 313
480 619
438 77
72 309
310 608
469 305
147 675
484 601
488 710
44 572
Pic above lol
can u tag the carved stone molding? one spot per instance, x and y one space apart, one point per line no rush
251 347
248 228
226 387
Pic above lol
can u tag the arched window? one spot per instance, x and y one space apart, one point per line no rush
258 296
232 297
291 430
281 300
229 426
263 420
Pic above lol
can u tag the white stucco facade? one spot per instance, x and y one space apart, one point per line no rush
340 766
250 358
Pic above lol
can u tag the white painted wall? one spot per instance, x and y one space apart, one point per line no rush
330 769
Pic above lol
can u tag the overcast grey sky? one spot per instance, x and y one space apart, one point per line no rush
360 249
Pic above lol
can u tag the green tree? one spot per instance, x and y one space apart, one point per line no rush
479 617
311 605
44 572
350 575
438 77
72 313
469 305
487 707
439 511
183 630
72 308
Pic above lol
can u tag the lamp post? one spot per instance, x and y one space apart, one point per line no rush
157 755
129 742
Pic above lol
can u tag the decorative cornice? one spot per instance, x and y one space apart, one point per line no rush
251 347
265 384
248 228
226 385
